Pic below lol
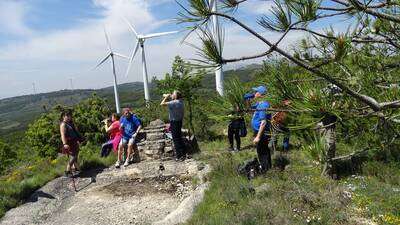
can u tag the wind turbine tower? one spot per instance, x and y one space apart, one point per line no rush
71 83
140 39
219 72
111 55
34 88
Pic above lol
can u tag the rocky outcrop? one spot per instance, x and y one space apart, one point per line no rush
156 145
137 194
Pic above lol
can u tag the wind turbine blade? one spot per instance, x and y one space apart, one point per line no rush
131 27
131 59
102 61
107 39
159 34
120 55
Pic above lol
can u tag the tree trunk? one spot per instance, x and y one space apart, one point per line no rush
191 118
329 133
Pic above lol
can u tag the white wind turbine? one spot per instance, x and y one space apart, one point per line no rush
219 72
140 42
111 55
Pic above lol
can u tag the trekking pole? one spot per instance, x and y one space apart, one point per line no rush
73 183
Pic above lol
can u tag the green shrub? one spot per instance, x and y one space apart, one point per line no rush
7 156
43 134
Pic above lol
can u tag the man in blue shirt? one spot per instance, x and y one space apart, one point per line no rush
260 124
130 125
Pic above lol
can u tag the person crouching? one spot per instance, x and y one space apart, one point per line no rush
113 128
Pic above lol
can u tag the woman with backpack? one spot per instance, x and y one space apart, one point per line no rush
279 124
236 130
70 138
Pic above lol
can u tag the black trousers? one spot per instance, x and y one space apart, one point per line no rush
176 130
233 133
264 153
106 148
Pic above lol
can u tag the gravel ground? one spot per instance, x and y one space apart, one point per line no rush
138 194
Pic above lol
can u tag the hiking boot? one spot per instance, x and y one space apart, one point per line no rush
76 173
181 159
117 164
68 174
230 149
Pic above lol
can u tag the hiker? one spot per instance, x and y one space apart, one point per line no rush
113 128
70 138
261 127
130 125
279 127
176 110
236 130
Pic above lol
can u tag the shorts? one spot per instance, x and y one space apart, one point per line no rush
125 142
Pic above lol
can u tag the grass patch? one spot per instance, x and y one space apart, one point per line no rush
19 184
298 195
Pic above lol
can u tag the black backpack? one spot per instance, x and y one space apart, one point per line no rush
242 128
249 168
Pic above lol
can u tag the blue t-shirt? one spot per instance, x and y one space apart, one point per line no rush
129 126
259 115
176 110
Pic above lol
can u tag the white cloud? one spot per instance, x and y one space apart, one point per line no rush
86 41
61 54
259 7
12 18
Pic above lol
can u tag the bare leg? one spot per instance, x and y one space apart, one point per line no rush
130 148
120 152
76 167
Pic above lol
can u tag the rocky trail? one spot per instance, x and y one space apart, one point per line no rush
138 194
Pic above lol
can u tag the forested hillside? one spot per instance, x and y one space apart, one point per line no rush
17 112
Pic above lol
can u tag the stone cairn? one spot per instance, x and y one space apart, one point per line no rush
156 145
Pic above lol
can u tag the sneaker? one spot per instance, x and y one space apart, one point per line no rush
126 163
230 149
182 158
76 173
117 164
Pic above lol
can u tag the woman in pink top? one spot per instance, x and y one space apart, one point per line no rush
114 129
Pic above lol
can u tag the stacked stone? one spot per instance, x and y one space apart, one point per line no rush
156 144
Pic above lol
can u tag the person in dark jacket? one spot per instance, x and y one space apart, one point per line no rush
236 123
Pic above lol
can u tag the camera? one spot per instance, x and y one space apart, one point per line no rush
106 121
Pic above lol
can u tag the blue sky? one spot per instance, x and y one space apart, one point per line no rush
49 42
